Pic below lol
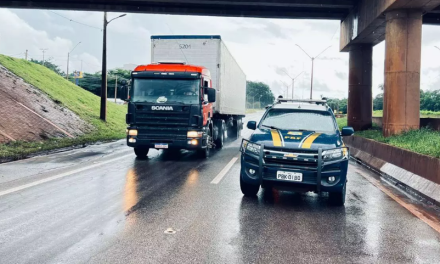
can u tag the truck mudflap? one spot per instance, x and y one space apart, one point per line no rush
320 161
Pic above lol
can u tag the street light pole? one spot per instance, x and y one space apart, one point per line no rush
68 60
287 89
103 110
293 82
313 62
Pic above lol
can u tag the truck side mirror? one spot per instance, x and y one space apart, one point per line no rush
347 131
123 93
252 125
211 95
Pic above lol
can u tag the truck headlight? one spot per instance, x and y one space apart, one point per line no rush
194 134
334 154
132 132
250 147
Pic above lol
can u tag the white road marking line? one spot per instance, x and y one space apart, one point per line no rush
32 184
225 170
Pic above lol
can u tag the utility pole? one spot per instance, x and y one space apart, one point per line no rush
103 110
313 62
116 87
26 55
68 58
44 51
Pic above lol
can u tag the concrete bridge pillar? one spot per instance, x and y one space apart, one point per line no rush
401 110
360 98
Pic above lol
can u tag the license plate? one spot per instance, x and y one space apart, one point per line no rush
289 176
161 146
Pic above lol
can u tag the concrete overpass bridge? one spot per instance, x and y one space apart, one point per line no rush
364 23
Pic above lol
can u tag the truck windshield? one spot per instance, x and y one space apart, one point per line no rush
184 91
288 119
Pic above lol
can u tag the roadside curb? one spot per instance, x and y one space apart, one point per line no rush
413 184
54 151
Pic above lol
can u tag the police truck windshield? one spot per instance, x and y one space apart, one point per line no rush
184 91
287 119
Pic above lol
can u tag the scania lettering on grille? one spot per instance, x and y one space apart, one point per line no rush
162 108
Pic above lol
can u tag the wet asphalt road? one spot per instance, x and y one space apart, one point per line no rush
102 205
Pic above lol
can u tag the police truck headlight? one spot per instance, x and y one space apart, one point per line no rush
335 154
332 154
194 134
132 132
250 147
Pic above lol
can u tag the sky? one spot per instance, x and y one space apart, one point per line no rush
264 48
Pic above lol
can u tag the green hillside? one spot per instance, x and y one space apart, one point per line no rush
83 103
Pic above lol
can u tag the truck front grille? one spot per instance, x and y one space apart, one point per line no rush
160 132
163 118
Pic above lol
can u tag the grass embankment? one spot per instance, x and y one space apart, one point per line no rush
424 141
83 103
423 114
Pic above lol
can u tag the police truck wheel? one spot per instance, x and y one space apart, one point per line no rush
248 189
221 135
141 153
338 198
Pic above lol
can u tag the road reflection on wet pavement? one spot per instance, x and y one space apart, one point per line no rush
165 210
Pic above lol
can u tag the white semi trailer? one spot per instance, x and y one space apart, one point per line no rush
211 52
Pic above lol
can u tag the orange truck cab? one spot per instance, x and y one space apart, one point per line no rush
170 106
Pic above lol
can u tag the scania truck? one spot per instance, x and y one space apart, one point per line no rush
191 97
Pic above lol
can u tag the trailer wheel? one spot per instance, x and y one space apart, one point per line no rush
219 142
234 131
141 153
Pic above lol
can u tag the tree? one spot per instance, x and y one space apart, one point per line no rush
430 100
92 82
339 105
48 64
256 92
378 100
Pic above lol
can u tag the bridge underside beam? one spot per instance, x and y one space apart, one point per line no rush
366 22
303 9
399 23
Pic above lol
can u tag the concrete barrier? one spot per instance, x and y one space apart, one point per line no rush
419 172
433 123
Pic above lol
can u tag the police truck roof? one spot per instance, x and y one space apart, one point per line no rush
316 105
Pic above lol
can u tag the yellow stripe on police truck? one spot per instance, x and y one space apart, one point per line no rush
276 138
309 141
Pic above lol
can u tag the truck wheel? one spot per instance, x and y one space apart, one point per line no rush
141 153
338 198
221 135
204 153
248 189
